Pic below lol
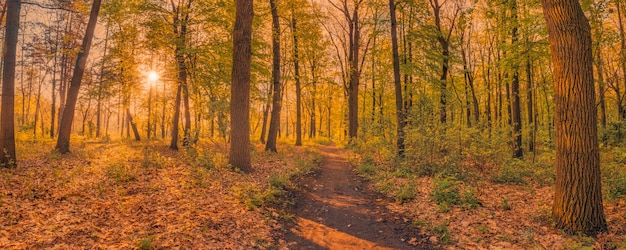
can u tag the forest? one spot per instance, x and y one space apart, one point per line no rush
313 124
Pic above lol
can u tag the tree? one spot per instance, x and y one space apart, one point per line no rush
400 112
578 194
277 88
353 72
296 68
516 115
444 42
65 128
7 114
240 89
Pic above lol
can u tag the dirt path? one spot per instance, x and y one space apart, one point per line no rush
338 210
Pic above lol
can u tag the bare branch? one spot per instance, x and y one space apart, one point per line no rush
48 7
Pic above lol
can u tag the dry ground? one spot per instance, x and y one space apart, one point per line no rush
125 195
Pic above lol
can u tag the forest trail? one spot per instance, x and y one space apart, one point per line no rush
337 209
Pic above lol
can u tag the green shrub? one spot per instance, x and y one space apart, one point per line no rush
469 200
120 173
323 141
614 134
442 232
614 181
543 173
249 195
153 160
446 191
147 243
619 155
512 172
404 171
505 204
406 193
278 181
366 169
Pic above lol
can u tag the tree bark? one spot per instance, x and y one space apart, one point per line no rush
7 112
353 88
578 194
276 85
266 114
622 35
296 65
240 90
133 125
400 112
65 129
176 118
516 109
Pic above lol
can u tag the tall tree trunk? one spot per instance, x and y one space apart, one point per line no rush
400 112
266 114
601 86
578 193
133 125
186 106
622 35
530 105
176 118
444 43
180 29
296 65
276 85
353 88
516 109
240 90
37 108
164 104
65 129
101 85
7 112
150 121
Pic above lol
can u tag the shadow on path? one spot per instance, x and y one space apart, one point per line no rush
338 210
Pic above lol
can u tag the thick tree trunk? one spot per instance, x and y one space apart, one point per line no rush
578 193
7 112
65 129
240 90
400 112
276 85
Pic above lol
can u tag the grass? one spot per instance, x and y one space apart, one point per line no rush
147 243
121 172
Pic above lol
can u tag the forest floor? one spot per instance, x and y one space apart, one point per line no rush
337 209
141 195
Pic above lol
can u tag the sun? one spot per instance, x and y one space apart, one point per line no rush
153 76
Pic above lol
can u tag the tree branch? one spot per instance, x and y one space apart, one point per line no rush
48 7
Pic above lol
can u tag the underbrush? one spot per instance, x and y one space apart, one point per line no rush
273 195
466 179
